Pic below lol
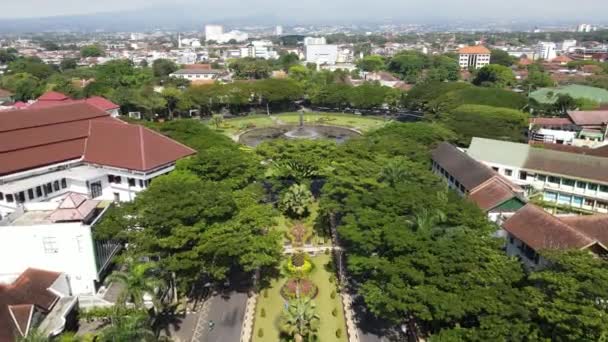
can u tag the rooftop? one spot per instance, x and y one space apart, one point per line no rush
193 71
475 49
589 118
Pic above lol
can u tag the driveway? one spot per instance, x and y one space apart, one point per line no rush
226 311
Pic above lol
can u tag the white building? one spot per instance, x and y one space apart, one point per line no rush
568 179
585 28
197 74
278 30
568 44
59 238
545 50
259 49
213 32
321 54
473 57
315 41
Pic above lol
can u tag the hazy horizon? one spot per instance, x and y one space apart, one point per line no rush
306 10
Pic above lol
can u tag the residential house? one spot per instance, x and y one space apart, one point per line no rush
5 96
532 230
491 192
53 98
473 57
569 179
36 300
198 75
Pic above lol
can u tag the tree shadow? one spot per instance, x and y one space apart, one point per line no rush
169 320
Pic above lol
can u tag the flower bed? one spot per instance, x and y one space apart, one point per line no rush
306 288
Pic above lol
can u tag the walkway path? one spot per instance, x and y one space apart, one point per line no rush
311 249
247 329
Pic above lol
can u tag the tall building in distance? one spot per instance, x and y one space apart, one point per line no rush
278 31
473 57
546 51
585 28
568 44
214 32
315 41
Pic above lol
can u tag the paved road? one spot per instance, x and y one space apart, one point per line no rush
227 312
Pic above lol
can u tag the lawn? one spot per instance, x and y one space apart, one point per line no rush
237 125
576 91
273 304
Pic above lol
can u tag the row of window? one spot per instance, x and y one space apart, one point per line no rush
37 192
447 175
575 201
112 179
49 243
523 175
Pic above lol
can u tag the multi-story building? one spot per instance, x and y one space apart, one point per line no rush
532 230
48 152
570 179
315 41
198 75
473 57
492 193
568 44
545 51
321 53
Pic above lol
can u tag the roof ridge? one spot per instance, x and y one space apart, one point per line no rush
566 225
142 147
166 137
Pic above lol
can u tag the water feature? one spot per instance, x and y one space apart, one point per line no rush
302 132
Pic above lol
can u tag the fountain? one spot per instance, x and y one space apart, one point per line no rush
256 136
302 132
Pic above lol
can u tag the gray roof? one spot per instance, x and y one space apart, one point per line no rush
573 165
465 169
197 72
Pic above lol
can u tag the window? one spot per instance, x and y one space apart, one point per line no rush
592 187
21 197
50 245
64 183
604 188
79 243
602 205
588 202
116 197
56 185
95 189
541 178
117 179
495 168
568 182
1 196
510 239
110 178
48 188
581 185
523 175
9 198
508 172
30 194
553 179
141 183
38 191
131 181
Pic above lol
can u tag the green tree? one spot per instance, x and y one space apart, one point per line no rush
34 335
23 85
501 57
288 60
371 63
409 65
395 171
140 279
163 67
91 51
368 95
6 56
172 97
275 92
68 64
300 320
494 75
296 201
31 65
127 327
298 72
250 68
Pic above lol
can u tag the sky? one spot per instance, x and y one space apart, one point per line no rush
591 10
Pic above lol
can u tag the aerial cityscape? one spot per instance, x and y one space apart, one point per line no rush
319 171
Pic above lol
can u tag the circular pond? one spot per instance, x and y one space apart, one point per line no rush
256 136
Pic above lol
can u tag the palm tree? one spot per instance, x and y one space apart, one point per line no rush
140 279
300 320
127 327
395 171
296 200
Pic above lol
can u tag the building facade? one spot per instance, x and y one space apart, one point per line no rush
569 179
473 57
546 51
321 53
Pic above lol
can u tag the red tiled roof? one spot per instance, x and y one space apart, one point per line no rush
589 118
30 288
140 148
551 121
476 49
598 152
541 230
561 59
53 96
101 103
74 207
492 194
5 93
31 138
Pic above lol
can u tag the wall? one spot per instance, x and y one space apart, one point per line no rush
22 247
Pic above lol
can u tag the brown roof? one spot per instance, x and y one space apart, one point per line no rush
5 93
74 207
594 226
568 164
541 230
589 118
30 288
140 148
469 172
561 59
551 121
31 138
198 66
476 49
492 194
598 151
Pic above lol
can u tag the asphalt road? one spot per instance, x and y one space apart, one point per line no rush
227 313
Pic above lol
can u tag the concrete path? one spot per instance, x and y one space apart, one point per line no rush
227 312
247 330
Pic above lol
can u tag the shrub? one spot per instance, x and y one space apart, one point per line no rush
263 313
339 333
298 259
334 312
332 279
307 289
333 294
260 332
327 251
301 271
266 293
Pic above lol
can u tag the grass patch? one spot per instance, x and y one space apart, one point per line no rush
274 304
234 126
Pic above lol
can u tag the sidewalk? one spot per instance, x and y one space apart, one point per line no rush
247 330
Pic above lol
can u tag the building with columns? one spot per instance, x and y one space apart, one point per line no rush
473 57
